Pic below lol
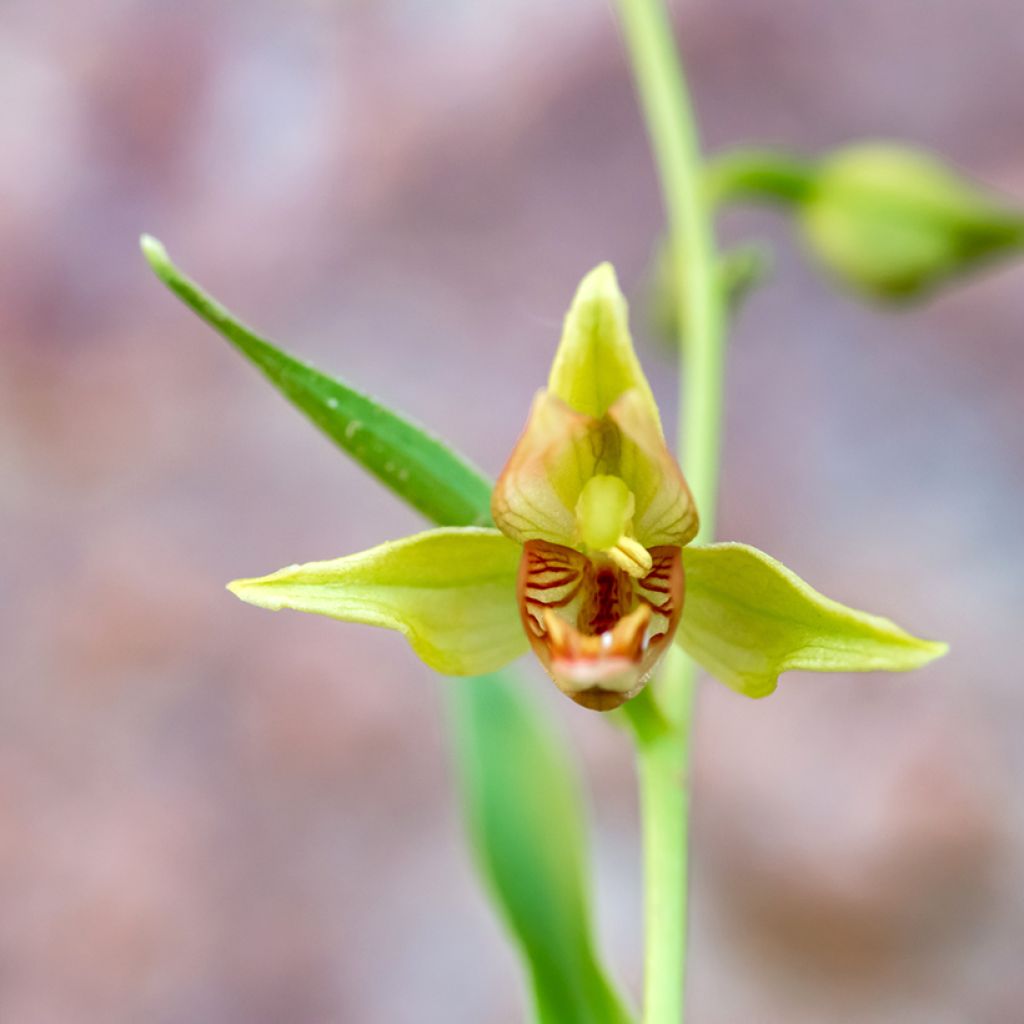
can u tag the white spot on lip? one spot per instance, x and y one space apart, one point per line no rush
352 429
332 403
576 675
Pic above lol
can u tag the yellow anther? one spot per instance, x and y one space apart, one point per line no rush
631 556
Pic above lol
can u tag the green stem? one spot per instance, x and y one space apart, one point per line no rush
663 753
664 811
757 174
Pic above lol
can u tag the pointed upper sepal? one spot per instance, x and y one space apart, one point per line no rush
748 619
451 592
595 362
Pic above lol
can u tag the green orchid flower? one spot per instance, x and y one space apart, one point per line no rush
590 563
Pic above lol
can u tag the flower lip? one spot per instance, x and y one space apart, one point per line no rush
596 629
598 671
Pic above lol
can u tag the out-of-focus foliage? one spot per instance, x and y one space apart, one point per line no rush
741 269
522 805
895 223
889 221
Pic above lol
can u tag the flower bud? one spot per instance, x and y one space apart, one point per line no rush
740 271
894 223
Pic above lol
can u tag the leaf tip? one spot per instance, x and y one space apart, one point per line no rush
156 256
152 248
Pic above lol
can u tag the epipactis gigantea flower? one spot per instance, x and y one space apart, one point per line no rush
601 508
591 564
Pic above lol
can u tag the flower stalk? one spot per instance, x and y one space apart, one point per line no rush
664 754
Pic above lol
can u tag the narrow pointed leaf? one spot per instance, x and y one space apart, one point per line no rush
451 592
452 493
419 468
522 807
747 619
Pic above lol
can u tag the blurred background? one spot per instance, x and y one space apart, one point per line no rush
208 814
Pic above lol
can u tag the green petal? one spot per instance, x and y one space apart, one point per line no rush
595 362
665 512
747 619
535 496
560 452
451 592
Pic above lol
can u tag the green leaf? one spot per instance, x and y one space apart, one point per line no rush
523 811
419 468
747 619
569 985
451 592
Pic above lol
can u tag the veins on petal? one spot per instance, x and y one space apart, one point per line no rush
596 628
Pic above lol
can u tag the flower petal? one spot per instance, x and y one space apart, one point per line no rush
665 512
451 592
536 495
561 451
748 619
595 362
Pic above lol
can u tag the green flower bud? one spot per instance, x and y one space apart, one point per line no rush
894 223
740 271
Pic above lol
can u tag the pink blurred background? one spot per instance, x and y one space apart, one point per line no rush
208 814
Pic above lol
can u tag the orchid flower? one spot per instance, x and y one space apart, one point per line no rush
590 561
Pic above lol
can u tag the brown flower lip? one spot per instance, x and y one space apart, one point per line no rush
597 630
